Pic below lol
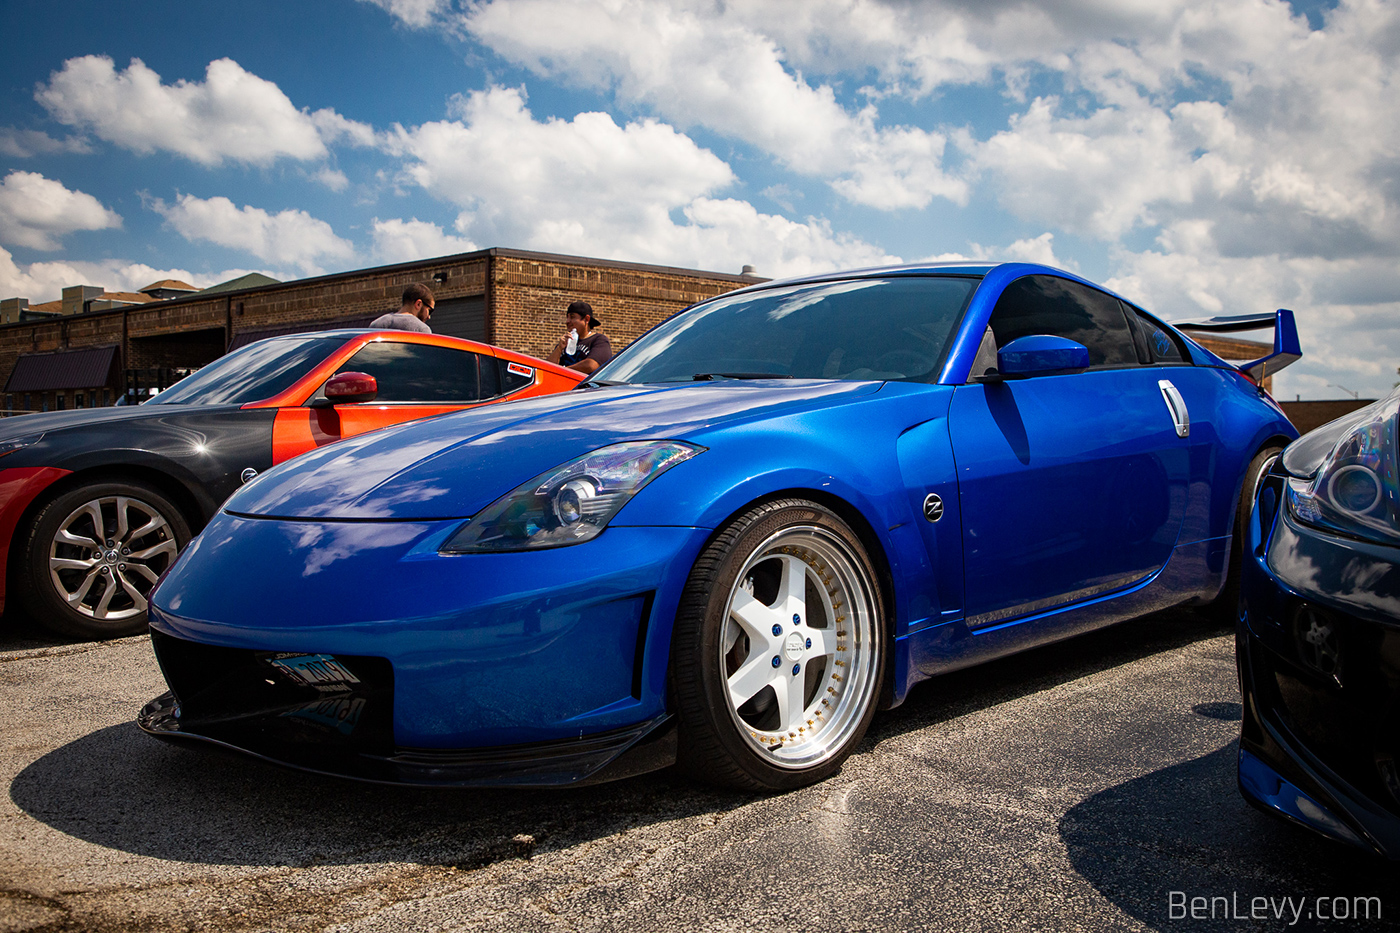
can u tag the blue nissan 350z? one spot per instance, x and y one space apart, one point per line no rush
770 515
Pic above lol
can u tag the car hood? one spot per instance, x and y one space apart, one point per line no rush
49 422
453 465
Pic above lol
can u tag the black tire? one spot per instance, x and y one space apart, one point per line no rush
1225 607
73 588
828 664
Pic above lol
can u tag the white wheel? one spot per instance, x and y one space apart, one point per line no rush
778 649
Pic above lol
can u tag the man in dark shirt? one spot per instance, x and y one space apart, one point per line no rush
591 347
413 316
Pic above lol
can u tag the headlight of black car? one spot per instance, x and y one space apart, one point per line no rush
1355 492
19 443
569 504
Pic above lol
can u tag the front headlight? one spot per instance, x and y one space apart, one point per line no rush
19 443
570 504
1354 492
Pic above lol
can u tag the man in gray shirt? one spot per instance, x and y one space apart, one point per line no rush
418 304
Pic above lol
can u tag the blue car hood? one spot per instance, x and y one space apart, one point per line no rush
452 466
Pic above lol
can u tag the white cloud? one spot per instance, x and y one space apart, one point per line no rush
1295 156
335 128
45 281
586 185
292 237
25 144
1099 175
1040 249
414 13
332 178
35 211
407 240
703 65
232 116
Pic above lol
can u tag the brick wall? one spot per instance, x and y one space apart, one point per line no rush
369 294
1308 415
530 296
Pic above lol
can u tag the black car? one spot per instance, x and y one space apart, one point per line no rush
96 503
1319 633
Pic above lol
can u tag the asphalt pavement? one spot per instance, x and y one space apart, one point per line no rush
1085 786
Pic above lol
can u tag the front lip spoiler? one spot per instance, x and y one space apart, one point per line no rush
589 759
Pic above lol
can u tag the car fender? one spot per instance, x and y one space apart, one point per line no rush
19 487
1242 434
847 453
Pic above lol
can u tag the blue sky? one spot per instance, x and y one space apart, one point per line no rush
1199 157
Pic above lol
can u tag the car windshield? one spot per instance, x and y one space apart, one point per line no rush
857 329
250 374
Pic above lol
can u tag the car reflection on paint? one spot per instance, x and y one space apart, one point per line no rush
764 519
96 503
1319 634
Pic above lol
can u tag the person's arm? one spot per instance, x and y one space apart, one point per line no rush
585 365
558 350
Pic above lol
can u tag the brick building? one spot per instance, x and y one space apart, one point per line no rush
511 298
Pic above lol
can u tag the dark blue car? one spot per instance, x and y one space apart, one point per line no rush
1319 633
770 515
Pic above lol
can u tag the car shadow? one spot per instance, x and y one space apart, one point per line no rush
1186 829
20 632
124 790
118 788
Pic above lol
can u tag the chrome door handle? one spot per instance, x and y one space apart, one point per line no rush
1177 406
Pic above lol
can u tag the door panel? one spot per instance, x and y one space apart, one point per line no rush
415 381
298 430
1070 486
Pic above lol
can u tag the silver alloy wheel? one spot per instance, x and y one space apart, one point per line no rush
107 555
799 647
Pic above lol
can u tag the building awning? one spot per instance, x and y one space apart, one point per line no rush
66 369
245 337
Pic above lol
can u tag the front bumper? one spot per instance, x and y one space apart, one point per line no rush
1319 659
338 720
467 665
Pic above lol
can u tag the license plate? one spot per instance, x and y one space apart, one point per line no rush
315 670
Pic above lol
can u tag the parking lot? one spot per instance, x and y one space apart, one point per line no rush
1086 786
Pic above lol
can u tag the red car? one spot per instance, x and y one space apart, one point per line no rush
96 503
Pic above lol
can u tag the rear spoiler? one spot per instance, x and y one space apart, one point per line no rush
1286 348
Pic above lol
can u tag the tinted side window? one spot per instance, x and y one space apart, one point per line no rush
1044 304
412 372
1159 343
490 377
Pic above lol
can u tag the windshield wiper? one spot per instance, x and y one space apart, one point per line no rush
597 383
702 377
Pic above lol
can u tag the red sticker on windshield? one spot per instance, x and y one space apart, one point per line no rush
519 370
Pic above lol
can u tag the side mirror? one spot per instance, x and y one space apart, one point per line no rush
344 388
1042 355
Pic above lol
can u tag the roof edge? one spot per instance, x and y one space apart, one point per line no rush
437 260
